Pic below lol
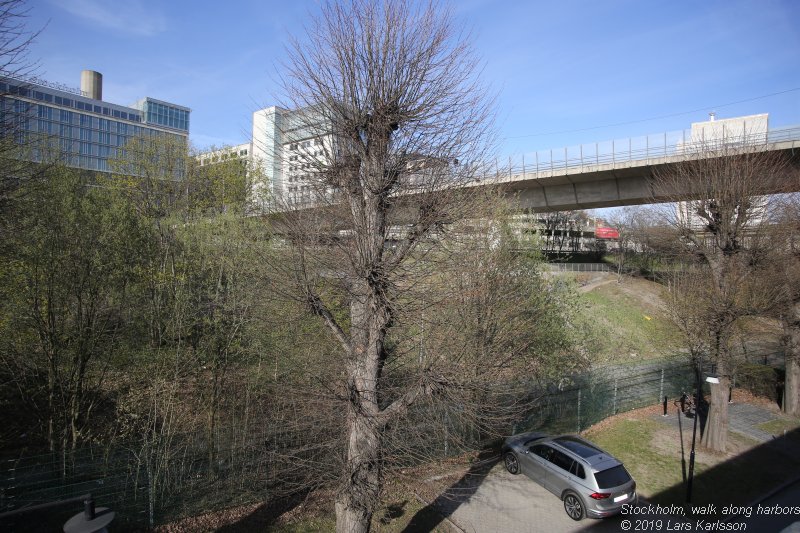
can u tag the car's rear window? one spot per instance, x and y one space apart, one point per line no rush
612 477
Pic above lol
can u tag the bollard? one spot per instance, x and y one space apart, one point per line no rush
665 406
88 508
91 520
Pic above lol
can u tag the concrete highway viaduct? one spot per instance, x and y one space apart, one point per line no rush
623 176
619 173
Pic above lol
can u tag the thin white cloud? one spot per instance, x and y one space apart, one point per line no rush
133 17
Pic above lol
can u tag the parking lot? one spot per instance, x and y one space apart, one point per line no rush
501 502
488 499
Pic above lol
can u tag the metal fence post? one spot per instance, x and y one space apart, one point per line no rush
151 497
579 410
661 390
446 434
615 395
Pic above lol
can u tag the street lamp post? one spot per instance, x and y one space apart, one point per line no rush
694 432
710 379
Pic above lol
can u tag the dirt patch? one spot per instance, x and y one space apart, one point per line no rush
647 292
745 396
667 439
589 283
209 521
636 414
667 442
256 516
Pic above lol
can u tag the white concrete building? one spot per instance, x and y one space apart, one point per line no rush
714 134
289 145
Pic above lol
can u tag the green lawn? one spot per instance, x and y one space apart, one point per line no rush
631 441
780 425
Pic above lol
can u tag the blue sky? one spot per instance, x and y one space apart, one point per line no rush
566 72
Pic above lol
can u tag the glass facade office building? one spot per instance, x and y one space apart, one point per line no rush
87 132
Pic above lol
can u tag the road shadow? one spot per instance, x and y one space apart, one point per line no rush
434 514
739 481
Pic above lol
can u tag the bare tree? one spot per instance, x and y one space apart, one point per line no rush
389 92
15 42
623 221
785 276
721 220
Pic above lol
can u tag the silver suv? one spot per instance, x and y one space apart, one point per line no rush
589 480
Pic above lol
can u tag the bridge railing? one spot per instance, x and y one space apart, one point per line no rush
635 150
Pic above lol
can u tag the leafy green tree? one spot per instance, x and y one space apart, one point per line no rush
73 255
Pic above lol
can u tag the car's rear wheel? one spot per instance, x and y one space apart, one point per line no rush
573 506
512 463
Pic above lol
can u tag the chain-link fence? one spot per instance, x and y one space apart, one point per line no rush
580 267
156 480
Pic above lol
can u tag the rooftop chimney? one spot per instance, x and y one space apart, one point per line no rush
712 116
92 84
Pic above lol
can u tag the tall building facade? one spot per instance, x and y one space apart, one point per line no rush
85 131
287 145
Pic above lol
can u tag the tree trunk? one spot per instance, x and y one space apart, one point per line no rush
791 391
360 492
359 495
715 435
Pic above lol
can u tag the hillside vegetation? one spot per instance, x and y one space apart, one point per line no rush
627 320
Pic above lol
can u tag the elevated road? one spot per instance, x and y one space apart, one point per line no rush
620 176
614 173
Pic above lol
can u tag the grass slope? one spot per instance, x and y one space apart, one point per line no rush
627 320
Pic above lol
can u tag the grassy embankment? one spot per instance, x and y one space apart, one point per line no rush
628 320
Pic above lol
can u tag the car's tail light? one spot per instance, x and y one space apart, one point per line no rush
600 495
